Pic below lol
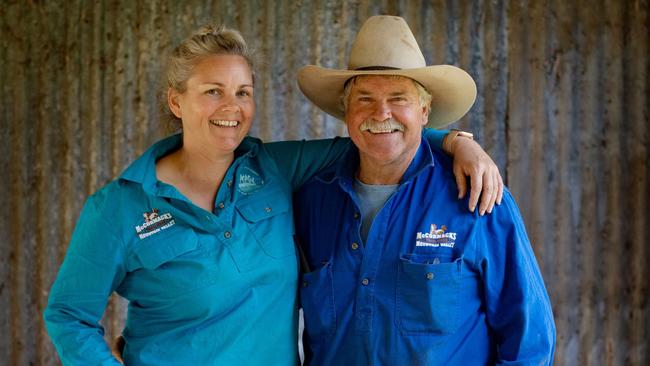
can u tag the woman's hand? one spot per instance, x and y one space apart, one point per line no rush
471 160
117 348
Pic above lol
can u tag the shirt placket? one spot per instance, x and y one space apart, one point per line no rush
367 279
220 220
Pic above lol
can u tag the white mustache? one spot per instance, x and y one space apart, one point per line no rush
387 125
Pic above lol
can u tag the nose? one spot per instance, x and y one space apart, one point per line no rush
229 104
382 111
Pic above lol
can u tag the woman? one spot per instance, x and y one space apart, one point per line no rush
196 233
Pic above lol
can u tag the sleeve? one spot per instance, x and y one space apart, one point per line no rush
434 137
92 269
300 160
517 304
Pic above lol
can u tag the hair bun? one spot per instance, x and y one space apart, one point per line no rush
209 30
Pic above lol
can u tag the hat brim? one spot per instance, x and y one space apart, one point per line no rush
453 91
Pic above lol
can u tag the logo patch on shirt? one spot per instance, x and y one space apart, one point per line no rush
436 237
249 181
154 223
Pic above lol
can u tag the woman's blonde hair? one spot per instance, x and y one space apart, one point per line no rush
207 41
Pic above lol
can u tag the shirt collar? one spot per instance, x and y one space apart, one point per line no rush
248 147
422 160
143 169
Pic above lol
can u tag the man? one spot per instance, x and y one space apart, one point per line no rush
397 271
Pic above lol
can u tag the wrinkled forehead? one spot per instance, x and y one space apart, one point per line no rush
369 83
383 79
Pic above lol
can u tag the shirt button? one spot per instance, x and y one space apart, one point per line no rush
305 283
221 205
430 276
355 246
227 234
267 209
229 183
356 215
365 281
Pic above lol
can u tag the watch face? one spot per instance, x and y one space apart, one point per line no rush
466 134
457 132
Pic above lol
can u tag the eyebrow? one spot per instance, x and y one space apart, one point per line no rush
393 94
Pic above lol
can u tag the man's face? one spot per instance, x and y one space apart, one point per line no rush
385 118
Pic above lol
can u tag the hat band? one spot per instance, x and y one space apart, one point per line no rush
369 68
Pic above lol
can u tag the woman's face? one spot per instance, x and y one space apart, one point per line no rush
217 108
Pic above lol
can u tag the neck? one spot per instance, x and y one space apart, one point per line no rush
381 173
199 169
195 172
373 170
202 166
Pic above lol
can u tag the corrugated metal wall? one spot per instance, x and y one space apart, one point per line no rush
562 107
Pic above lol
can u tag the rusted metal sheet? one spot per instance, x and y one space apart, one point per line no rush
562 108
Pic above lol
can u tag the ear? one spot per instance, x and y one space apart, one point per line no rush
345 121
425 114
172 100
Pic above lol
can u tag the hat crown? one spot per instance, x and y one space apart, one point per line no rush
385 41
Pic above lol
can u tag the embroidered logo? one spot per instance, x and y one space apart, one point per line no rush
436 238
249 181
148 216
154 223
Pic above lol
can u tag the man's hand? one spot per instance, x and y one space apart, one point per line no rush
470 160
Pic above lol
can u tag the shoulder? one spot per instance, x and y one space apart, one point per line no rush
505 219
108 197
255 150
508 209
444 162
116 194
117 206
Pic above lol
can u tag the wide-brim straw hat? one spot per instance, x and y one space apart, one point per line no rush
385 45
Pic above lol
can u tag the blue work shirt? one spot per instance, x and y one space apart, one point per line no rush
204 288
433 285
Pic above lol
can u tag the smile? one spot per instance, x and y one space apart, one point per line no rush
384 127
382 131
223 123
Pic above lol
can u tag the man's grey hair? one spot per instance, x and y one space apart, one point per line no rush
423 94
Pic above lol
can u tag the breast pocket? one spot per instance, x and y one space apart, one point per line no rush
164 247
268 216
428 294
168 263
317 300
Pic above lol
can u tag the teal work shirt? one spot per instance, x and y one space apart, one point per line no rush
204 288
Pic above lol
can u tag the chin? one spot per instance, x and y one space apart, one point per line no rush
385 150
383 156
226 142
230 145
